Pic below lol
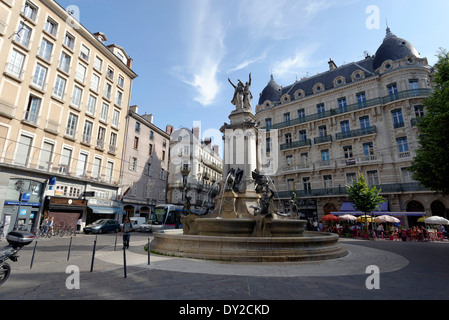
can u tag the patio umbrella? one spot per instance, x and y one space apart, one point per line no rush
330 217
436 220
348 217
422 219
382 219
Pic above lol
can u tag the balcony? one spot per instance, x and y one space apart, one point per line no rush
296 144
323 139
414 93
7 110
356 133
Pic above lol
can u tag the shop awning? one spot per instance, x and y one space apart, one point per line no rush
348 207
107 210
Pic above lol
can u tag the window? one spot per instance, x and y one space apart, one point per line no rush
81 73
287 118
15 64
407 176
32 111
46 157
150 149
393 91
87 132
136 143
110 74
95 83
350 178
101 137
288 138
414 88
361 99
69 41
372 178
107 91
119 98
344 125
109 171
96 168
342 105
51 27
133 164
301 114
137 127
40 74
322 130
121 82
402 144
321 109
30 11
302 135
368 149
64 62
104 112
59 87
113 140
116 118
364 122
46 49
325 155
91 105
347 151
419 111
81 165
291 184
151 135
23 150
163 155
23 35
98 64
289 160
72 122
163 175
306 185
304 160
398 120
268 123
65 160
85 53
327 182
76 97
268 145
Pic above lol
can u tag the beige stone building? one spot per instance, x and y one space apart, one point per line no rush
145 169
64 97
195 169
359 117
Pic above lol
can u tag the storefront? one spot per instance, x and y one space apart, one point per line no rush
66 211
22 204
103 209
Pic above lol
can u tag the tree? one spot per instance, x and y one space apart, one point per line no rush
366 198
431 164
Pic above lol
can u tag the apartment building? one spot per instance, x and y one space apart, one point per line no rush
64 97
145 169
195 169
356 118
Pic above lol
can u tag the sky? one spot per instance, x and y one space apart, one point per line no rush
184 51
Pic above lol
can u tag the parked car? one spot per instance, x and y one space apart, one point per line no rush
103 226
146 227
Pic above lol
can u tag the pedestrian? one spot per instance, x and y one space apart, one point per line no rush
78 224
51 225
126 231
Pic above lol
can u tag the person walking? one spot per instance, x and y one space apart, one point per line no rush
126 232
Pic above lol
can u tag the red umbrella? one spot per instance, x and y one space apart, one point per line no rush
330 217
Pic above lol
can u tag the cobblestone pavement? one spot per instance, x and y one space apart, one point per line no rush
408 271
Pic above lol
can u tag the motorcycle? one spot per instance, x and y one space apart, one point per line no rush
17 240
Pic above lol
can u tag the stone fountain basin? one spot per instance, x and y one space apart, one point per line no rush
245 227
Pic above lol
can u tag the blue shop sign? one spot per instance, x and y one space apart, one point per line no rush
27 204
26 197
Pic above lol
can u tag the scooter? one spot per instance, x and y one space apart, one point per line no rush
17 240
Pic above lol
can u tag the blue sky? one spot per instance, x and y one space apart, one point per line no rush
185 50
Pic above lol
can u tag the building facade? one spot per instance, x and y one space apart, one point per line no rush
195 170
64 97
357 118
146 165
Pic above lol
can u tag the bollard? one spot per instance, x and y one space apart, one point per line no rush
148 251
115 245
93 255
32 258
124 261
70 248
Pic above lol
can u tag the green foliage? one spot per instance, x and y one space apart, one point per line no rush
366 199
431 164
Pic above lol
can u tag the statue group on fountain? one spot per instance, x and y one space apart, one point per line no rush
242 95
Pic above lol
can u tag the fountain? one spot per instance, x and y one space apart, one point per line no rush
245 226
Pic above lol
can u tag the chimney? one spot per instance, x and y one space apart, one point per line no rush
148 117
100 37
196 132
208 141
332 65
169 129
134 109
216 149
